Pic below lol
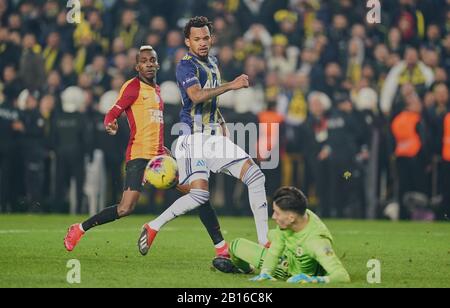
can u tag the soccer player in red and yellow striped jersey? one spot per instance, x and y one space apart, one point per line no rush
140 99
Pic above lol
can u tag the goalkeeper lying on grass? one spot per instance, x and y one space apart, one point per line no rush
301 247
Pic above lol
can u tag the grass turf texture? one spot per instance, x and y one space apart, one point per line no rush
32 253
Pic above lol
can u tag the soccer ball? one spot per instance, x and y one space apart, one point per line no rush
162 172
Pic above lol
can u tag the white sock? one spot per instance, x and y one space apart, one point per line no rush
189 202
255 181
220 245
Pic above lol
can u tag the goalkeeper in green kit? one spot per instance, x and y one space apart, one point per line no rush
301 247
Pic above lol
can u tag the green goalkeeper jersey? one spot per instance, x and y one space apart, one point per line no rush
309 251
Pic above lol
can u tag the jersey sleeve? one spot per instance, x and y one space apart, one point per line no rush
322 251
275 251
187 74
128 95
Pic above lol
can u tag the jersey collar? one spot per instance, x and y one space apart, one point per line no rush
143 81
198 59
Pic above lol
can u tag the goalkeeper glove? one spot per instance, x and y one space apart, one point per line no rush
303 279
263 277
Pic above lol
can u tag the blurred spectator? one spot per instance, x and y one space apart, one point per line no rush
53 85
258 40
445 55
395 41
338 35
433 40
9 52
169 69
292 104
97 72
47 111
258 11
355 60
11 84
410 21
118 47
271 143
34 149
87 47
129 30
172 52
410 71
52 53
438 121
292 101
68 75
224 31
288 26
282 60
66 32
100 31
332 83
411 150
5 10
32 69
48 19
314 134
139 8
230 67
158 25
10 125
69 143
380 62
370 158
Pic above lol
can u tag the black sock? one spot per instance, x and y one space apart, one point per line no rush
209 219
107 215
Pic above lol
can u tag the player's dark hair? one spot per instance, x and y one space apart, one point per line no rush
197 22
291 199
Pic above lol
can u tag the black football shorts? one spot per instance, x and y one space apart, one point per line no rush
134 178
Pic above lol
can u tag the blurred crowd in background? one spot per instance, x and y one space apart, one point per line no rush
363 108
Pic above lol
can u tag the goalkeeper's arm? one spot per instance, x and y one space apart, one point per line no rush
325 255
274 252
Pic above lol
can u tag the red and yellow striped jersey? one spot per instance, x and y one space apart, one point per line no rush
144 108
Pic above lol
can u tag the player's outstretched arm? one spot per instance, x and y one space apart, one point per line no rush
128 95
272 256
199 95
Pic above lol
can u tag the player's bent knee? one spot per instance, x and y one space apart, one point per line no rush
254 177
200 196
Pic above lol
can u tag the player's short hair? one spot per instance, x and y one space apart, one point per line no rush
143 48
197 22
291 199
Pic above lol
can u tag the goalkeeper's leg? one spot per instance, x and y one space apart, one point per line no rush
247 255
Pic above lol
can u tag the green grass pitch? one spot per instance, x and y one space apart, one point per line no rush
32 253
